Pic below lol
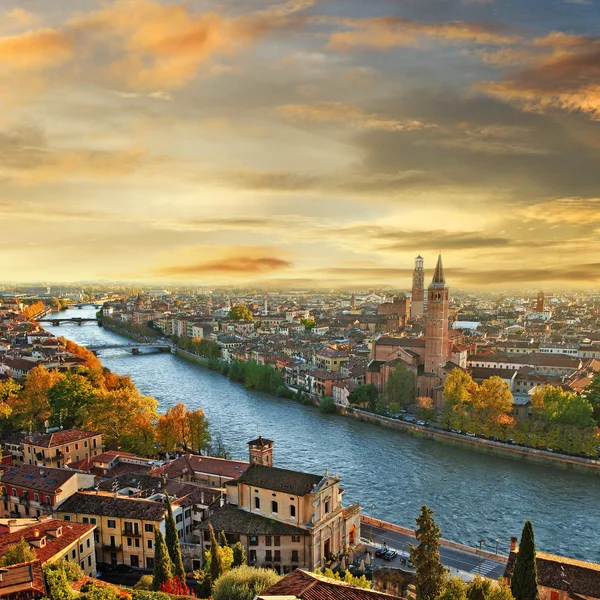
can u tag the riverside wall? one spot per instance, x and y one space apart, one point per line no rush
539 457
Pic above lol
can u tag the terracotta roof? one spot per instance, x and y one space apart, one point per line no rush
231 519
106 505
192 463
36 478
295 483
557 572
59 536
22 578
58 438
310 586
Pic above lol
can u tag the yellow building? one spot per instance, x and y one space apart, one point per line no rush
124 526
285 519
60 448
329 359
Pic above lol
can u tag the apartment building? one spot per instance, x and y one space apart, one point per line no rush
60 448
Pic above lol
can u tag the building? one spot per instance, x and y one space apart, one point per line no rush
436 338
329 359
31 491
53 540
60 448
285 519
418 289
561 578
302 585
124 526
539 305
22 582
206 470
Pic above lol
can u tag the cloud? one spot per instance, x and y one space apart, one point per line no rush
568 79
383 33
36 49
20 16
350 114
234 266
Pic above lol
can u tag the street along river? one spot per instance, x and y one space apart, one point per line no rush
475 496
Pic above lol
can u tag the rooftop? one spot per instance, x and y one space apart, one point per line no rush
287 481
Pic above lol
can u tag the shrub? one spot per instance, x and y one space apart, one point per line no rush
327 405
244 583
149 595
145 583
18 553
58 585
99 592
72 570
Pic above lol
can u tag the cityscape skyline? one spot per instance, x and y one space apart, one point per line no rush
307 143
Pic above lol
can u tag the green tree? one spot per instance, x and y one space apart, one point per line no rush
17 553
163 566
58 584
426 557
72 569
223 540
454 589
400 385
239 555
592 395
309 323
327 405
363 395
216 562
239 312
244 583
524 583
69 399
172 541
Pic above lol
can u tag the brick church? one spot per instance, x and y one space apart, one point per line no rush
431 357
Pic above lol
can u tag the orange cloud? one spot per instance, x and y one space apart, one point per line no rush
388 32
20 16
340 112
235 265
36 49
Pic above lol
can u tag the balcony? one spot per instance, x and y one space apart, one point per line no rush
128 533
23 500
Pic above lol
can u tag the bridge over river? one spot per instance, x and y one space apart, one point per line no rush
475 496
56 321
134 347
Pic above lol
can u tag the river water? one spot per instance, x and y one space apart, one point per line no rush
475 496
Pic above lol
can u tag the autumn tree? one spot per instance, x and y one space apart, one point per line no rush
426 408
70 399
179 428
491 400
459 388
34 406
239 312
400 385
426 557
8 394
91 360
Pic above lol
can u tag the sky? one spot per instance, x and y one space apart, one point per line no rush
301 143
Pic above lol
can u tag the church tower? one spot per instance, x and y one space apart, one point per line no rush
539 306
261 452
418 287
436 343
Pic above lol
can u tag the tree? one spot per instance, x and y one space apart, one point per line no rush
163 566
363 395
72 570
459 388
426 408
58 584
239 312
172 541
426 557
592 395
244 583
179 429
8 394
34 406
69 400
400 385
309 323
557 406
524 584
327 405
18 553
224 543
239 555
491 400
216 563
454 589
218 448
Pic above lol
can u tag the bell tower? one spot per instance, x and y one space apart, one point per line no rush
418 293
437 342
261 452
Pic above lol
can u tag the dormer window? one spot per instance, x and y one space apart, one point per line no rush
274 507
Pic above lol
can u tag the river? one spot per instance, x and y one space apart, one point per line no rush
475 496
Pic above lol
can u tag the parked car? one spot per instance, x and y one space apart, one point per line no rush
511 442
121 568
421 423
390 555
470 434
493 438
381 551
455 431
482 436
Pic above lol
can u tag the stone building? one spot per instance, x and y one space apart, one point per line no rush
418 289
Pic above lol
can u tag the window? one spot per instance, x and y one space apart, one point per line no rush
148 527
253 540
292 511
85 443
268 556
267 540
67 517
111 524
277 555
136 542
129 541
277 541
76 446
93 520
149 544
80 548
85 520
327 507
179 518
96 537
88 542
48 500
90 560
295 556
295 538
74 554
274 507
257 502
36 497
149 559
252 556
82 564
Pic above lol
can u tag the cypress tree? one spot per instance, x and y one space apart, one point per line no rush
224 542
163 566
426 557
239 555
524 584
216 562
172 540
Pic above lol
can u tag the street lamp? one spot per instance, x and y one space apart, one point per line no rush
372 518
480 542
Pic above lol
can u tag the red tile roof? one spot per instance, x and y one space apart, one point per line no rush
44 479
59 535
59 438
192 463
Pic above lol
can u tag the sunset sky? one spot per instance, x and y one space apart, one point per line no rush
307 142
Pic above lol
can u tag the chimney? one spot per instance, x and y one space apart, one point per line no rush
513 543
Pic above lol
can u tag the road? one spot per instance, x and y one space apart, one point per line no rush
454 559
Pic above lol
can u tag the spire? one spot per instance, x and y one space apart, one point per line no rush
438 275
